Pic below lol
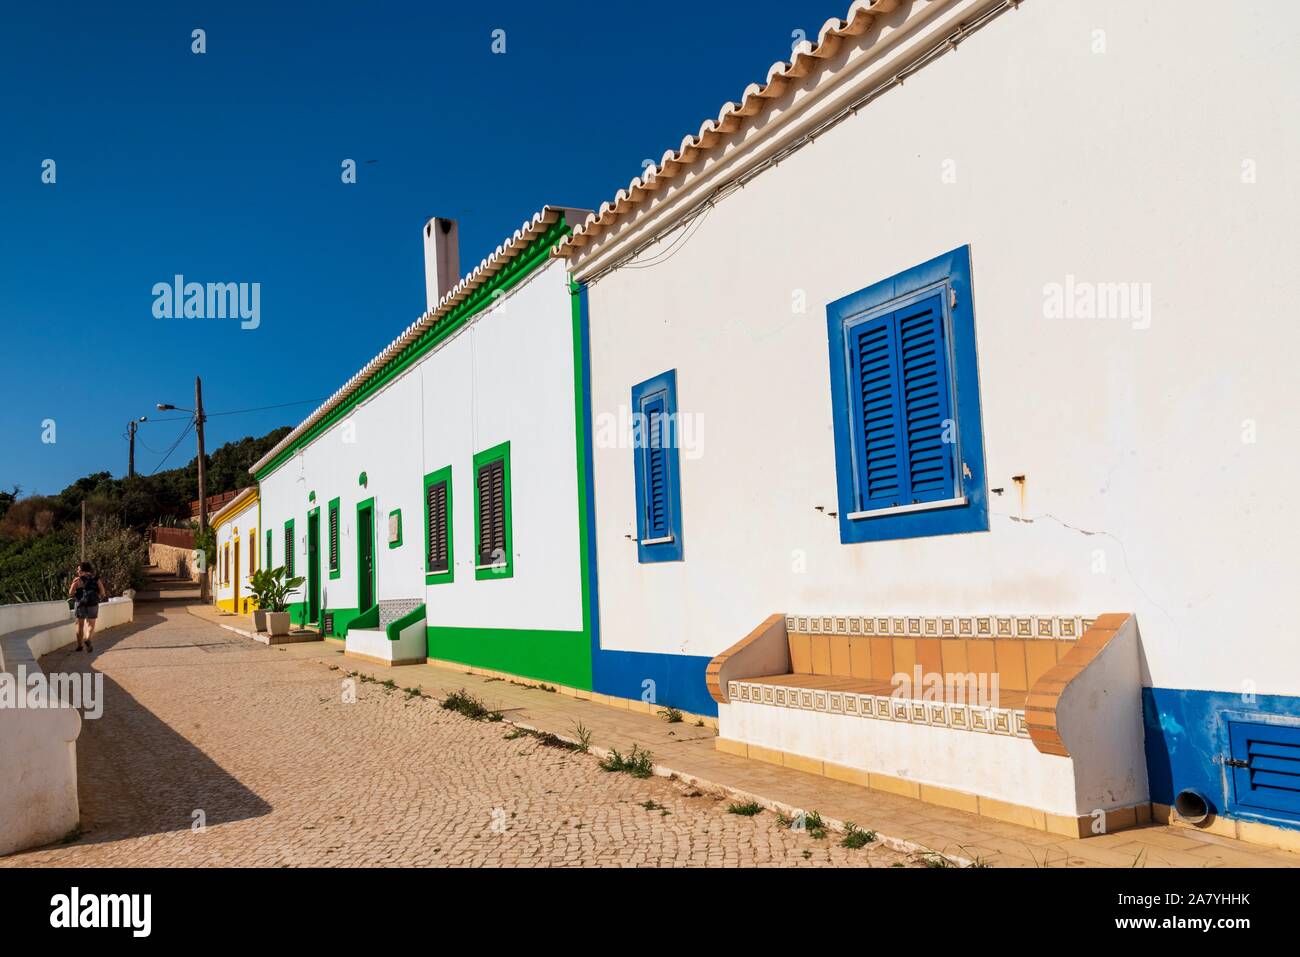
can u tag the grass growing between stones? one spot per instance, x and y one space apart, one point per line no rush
462 702
855 837
638 762
810 821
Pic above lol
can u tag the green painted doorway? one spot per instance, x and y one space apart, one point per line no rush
366 554
313 565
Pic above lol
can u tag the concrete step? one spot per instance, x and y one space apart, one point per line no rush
174 594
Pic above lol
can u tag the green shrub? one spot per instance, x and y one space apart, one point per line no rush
118 554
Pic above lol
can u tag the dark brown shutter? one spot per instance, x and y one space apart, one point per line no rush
334 538
436 510
491 481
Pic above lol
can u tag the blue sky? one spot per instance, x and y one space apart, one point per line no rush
225 167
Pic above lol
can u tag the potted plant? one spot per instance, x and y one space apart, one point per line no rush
272 591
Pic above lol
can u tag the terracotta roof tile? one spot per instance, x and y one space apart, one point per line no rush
730 118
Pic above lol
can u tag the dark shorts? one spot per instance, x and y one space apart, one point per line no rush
88 612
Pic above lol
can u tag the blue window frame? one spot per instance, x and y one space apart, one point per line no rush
658 470
909 444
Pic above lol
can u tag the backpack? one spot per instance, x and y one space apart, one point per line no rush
88 591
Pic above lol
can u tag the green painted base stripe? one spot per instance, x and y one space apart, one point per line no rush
343 619
561 657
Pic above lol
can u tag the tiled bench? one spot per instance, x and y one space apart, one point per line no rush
396 637
1026 718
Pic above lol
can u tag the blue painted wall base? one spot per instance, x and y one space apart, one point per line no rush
1187 741
678 679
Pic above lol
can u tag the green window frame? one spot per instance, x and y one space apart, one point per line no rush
439 550
266 555
396 543
288 550
494 536
335 552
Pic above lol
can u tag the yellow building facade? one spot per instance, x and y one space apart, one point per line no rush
238 552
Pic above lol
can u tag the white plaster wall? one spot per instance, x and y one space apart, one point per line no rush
997 766
38 757
508 376
1099 718
375 643
30 614
1122 166
245 520
112 612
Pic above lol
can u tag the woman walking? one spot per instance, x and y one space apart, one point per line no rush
86 591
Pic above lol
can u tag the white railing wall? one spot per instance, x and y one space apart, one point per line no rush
38 746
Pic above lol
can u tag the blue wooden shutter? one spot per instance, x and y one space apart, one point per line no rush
879 432
658 513
927 401
902 392
1266 766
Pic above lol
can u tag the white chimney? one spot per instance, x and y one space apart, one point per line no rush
441 259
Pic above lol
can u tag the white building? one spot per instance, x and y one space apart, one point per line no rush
437 492
973 325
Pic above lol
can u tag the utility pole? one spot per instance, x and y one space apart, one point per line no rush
203 481
130 434
130 461
83 529
203 478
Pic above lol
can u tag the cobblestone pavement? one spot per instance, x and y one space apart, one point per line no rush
201 725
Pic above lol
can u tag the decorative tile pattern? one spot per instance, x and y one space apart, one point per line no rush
938 714
1056 627
391 609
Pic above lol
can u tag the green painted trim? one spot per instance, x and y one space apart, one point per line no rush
398 513
562 657
367 619
335 546
394 629
494 572
580 402
534 255
432 577
267 555
374 557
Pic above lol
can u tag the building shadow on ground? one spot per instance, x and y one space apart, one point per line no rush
136 774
